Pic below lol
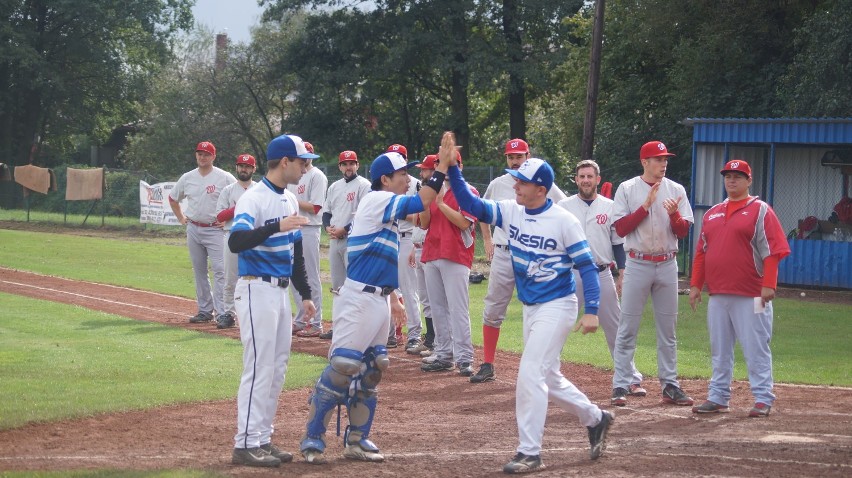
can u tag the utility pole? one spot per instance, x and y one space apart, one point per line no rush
588 145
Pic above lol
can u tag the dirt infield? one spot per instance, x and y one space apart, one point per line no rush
436 425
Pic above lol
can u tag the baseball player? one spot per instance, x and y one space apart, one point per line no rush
595 215
738 252
204 238
310 192
651 212
266 234
341 201
427 167
545 241
447 257
246 166
501 281
407 275
358 355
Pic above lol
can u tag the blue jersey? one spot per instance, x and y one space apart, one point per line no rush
264 204
373 246
545 244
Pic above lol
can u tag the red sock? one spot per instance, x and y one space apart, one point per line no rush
489 342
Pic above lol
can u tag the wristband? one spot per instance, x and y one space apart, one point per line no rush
436 181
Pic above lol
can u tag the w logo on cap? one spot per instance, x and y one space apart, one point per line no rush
735 165
661 146
514 144
347 154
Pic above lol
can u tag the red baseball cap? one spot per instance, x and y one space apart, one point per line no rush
309 147
398 148
206 146
737 165
347 156
247 159
428 162
458 157
517 146
652 149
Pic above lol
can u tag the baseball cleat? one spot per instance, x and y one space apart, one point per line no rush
201 317
637 390
597 434
619 396
760 410
273 450
225 321
523 464
710 407
254 457
354 451
436 366
485 374
465 369
675 396
314 456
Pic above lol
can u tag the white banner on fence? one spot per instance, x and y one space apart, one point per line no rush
154 204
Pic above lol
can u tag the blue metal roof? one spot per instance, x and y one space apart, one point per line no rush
823 131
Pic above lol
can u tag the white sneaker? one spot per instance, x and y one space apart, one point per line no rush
353 451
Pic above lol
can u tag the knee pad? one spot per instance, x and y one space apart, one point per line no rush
376 361
346 363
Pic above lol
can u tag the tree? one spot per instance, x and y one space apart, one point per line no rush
77 67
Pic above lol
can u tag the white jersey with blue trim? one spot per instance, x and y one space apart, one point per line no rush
545 244
373 247
265 204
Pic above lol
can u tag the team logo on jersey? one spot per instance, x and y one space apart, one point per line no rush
541 270
350 196
602 218
301 189
211 189
533 241
714 216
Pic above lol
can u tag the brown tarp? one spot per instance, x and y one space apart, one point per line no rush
5 172
37 179
84 184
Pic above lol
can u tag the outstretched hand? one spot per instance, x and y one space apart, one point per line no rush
447 151
291 222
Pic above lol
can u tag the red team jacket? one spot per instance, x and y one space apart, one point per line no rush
734 247
443 238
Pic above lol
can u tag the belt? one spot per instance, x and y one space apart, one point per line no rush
652 257
382 291
405 234
201 224
283 282
505 247
601 267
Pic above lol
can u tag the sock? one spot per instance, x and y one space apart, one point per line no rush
489 342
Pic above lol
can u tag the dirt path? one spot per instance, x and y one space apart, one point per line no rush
440 425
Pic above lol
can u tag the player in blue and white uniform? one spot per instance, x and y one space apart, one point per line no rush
368 298
266 234
545 242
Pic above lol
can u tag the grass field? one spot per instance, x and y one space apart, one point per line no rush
64 361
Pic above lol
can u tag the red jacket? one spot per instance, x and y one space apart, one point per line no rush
732 249
443 238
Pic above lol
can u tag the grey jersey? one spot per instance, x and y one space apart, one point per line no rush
502 188
201 193
413 188
311 188
596 219
228 199
343 198
654 234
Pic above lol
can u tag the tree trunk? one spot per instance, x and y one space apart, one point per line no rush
515 54
588 146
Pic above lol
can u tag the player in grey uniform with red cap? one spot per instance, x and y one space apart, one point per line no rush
204 238
501 281
310 192
595 215
651 212
341 201
246 166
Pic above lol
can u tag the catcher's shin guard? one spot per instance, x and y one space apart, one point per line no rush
325 398
361 406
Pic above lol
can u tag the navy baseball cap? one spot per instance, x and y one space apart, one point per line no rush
536 171
290 146
388 163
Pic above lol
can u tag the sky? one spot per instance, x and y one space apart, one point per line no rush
233 17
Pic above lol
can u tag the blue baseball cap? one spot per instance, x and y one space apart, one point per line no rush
289 146
536 171
389 163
